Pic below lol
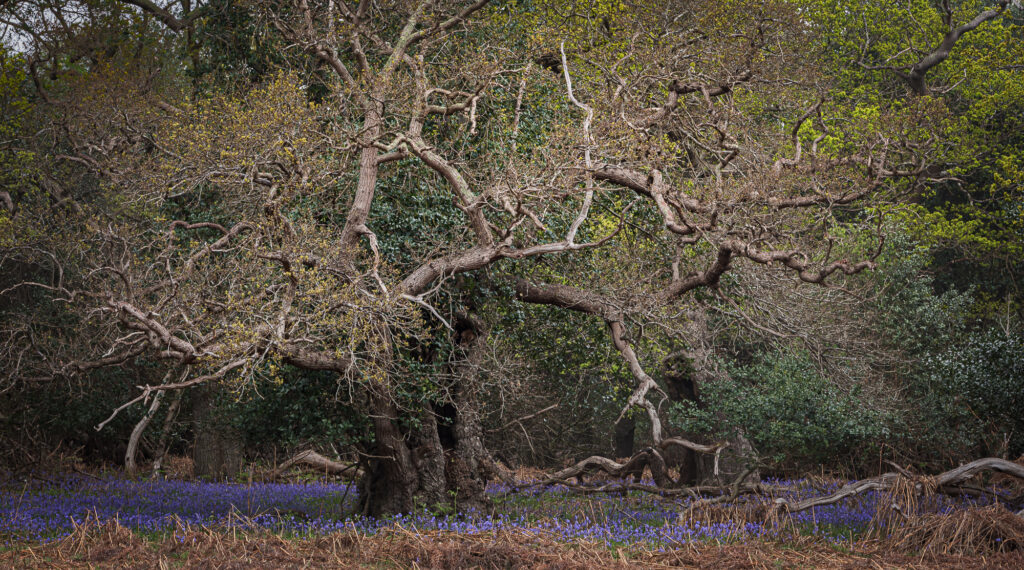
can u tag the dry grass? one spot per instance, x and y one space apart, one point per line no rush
975 531
738 513
113 546
1009 483
812 554
900 524
528 474
901 504
179 467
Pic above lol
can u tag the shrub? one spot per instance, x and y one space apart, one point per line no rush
789 412
971 395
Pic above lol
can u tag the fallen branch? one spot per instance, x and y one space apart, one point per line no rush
314 459
951 482
735 490
696 492
632 468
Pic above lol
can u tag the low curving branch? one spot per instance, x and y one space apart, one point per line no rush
949 482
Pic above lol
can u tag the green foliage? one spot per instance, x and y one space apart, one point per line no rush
412 205
970 217
66 415
960 391
295 407
789 412
242 143
912 317
971 395
238 45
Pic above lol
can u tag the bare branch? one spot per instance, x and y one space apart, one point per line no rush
447 24
148 390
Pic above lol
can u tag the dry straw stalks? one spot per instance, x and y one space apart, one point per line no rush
112 545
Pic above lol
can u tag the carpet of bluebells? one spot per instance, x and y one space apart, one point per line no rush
47 508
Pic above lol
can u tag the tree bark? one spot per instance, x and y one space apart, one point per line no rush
391 480
471 465
165 433
218 447
429 460
625 431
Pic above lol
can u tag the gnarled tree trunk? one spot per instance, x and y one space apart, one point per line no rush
469 464
442 464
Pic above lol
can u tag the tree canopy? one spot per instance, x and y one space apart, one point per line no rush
425 201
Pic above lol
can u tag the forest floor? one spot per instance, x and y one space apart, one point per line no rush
104 521
114 546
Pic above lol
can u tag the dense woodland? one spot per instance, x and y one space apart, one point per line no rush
439 240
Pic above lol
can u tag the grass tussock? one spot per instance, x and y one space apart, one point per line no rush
976 531
901 503
111 545
904 522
